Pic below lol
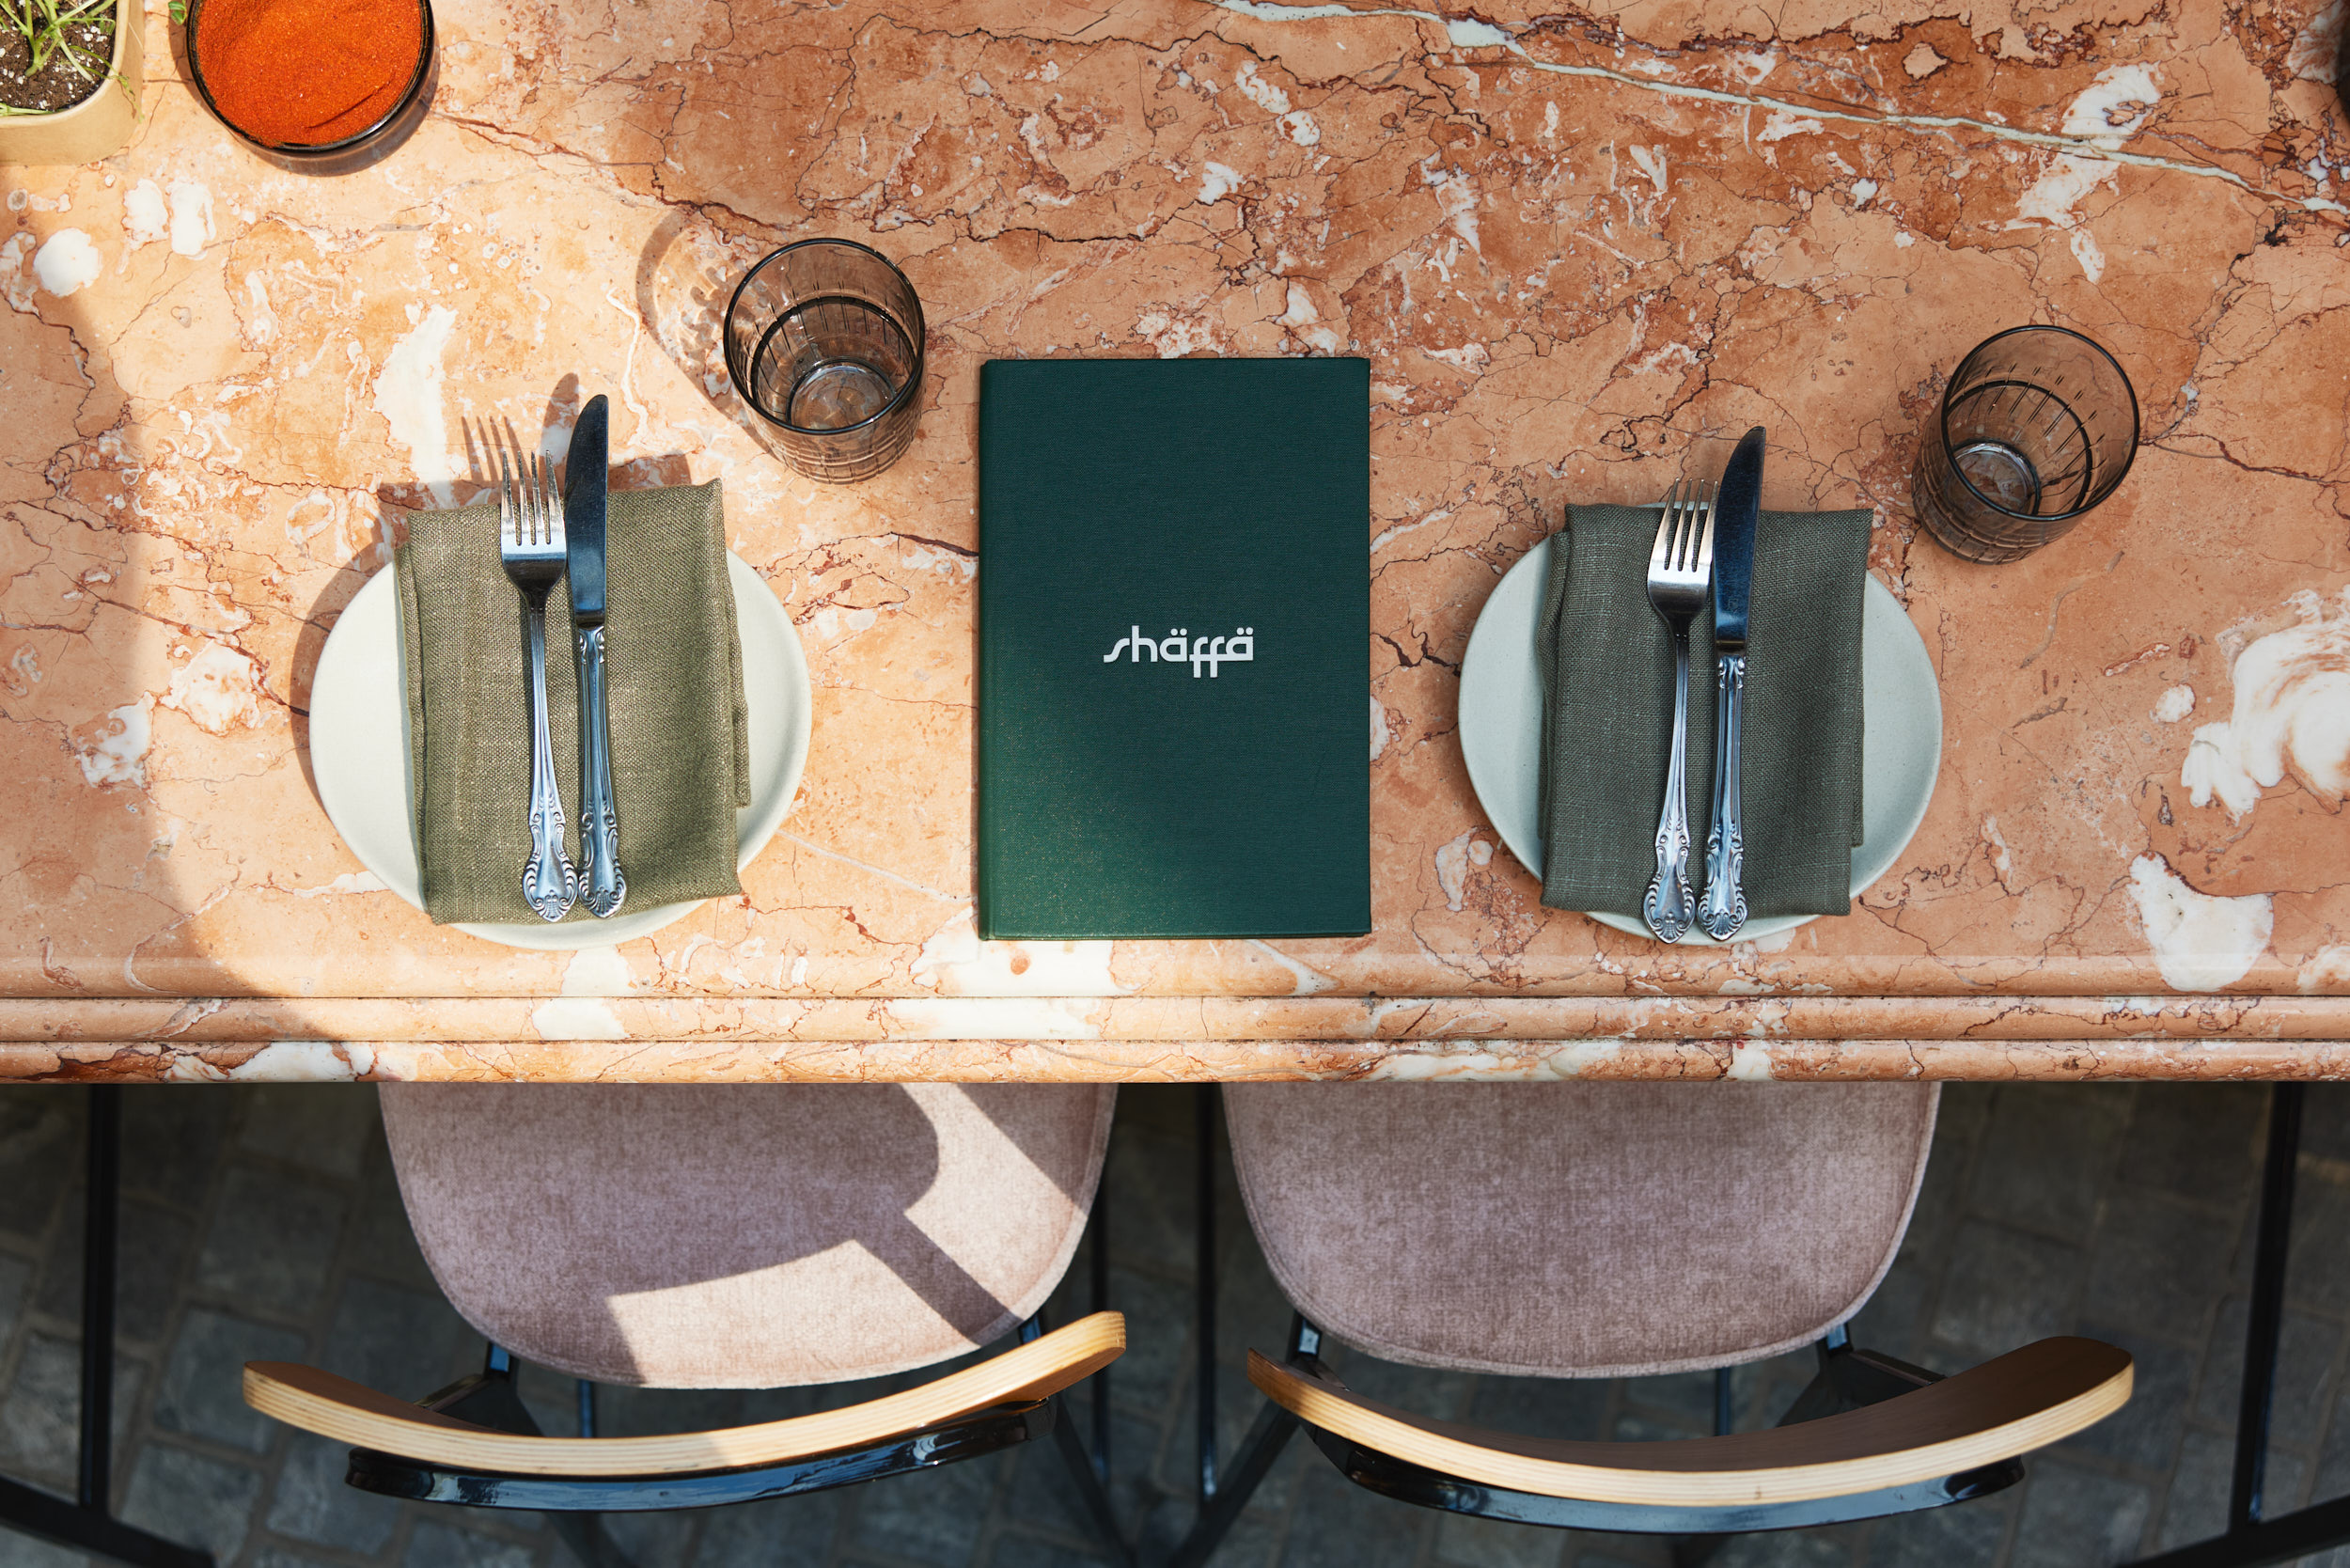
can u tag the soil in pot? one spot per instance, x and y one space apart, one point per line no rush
60 83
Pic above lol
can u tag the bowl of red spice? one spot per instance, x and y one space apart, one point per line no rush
321 86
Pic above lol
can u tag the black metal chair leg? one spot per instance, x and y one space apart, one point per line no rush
1089 1490
2263 1325
87 1523
102 1208
583 1532
490 1399
2253 1540
1266 1437
1204 1120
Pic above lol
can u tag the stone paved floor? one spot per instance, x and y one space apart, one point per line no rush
262 1222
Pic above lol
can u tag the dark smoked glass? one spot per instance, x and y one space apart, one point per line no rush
824 341
2037 426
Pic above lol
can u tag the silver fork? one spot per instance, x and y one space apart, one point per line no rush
1680 574
531 548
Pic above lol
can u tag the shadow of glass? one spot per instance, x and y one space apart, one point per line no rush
685 274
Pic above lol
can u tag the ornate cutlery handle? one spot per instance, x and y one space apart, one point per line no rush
603 887
1666 907
1725 842
550 886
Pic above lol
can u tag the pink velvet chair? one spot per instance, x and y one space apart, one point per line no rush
1599 1230
730 1236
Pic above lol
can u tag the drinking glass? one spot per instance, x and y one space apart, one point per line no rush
2037 426
824 340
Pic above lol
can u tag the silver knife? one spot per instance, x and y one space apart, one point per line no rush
1724 909
584 481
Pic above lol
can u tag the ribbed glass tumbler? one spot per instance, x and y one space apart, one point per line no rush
2037 426
824 340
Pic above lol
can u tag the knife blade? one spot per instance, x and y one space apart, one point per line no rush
1723 910
585 485
1734 512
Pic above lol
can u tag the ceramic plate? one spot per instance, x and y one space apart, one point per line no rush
1501 729
359 750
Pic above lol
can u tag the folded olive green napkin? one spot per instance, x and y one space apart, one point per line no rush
1606 664
673 664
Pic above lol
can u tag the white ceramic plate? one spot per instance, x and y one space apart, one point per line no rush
1501 731
359 750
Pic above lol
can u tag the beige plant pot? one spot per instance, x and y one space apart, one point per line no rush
98 125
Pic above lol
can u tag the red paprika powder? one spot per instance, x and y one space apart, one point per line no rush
306 72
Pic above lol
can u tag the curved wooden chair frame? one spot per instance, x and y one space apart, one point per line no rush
1870 1436
474 1443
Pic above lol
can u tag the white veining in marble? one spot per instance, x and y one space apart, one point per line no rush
2201 942
2291 714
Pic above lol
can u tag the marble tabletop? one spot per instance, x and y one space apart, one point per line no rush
1570 242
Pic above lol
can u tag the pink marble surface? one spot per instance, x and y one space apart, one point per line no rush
1569 242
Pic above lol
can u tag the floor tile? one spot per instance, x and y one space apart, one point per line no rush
2303 1391
2046 1156
786 1532
23 1551
40 1418
271 1241
933 1518
320 1127
151 1248
1790 1548
436 1545
201 1394
40 1152
172 1140
311 1501
191 1499
2153 1261
2003 1288
1962 1536
399 1341
16 1290
1496 1544
2197 1141
2075 1519
1335 1524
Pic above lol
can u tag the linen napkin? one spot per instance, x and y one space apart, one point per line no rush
1608 681
673 666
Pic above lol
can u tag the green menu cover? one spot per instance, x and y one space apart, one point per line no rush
1174 647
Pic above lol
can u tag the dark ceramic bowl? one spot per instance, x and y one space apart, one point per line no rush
350 154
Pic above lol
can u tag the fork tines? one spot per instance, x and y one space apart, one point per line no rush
1684 534
529 520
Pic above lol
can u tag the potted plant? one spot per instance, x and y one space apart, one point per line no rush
69 78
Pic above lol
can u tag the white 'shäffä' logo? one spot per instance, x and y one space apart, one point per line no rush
1179 647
